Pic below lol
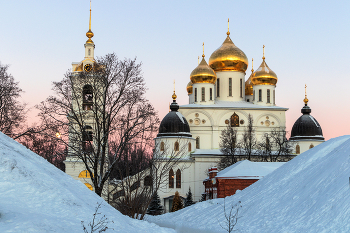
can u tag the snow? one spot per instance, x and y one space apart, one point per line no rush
248 170
307 194
37 197
179 115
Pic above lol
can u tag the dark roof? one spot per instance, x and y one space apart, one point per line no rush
174 124
306 127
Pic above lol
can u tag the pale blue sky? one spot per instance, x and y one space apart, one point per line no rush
306 42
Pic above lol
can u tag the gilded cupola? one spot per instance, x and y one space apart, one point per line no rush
189 88
228 57
203 73
248 83
264 75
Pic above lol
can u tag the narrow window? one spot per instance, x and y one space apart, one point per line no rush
171 178
189 147
274 97
230 87
162 146
253 95
203 94
297 149
218 87
87 97
176 147
211 93
234 120
241 87
178 179
148 181
311 146
260 95
89 53
197 143
268 96
195 95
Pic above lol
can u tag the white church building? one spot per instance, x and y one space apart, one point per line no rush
219 95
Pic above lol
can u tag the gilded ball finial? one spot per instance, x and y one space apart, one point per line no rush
228 27
306 100
263 52
174 95
203 50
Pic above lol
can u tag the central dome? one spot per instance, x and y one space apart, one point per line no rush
228 58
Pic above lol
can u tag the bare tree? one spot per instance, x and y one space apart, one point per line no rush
12 112
229 147
281 144
231 217
133 191
97 225
265 148
102 107
248 142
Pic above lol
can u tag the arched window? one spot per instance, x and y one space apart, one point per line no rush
195 95
311 146
274 99
84 174
89 53
176 146
87 97
189 147
260 95
211 93
234 120
178 179
268 95
162 146
253 95
297 149
230 87
87 138
197 142
171 178
241 87
218 87
147 181
203 94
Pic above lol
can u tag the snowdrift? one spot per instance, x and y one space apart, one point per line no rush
308 194
36 197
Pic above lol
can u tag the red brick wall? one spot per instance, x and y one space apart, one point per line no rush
228 187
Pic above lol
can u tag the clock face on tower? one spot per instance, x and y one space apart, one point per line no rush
88 67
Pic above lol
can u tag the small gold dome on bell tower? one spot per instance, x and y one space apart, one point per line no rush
89 34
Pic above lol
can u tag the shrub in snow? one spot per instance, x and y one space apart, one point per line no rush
189 200
177 203
155 208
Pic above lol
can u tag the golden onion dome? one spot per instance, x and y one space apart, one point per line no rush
264 75
228 57
203 73
189 88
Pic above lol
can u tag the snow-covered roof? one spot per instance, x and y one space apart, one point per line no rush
249 170
234 105
37 197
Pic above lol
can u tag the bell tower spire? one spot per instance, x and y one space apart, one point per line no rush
89 45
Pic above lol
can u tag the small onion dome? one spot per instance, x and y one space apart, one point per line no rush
306 127
189 88
203 73
228 57
264 75
174 123
249 86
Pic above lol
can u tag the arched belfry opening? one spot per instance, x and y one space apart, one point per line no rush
234 120
87 138
87 97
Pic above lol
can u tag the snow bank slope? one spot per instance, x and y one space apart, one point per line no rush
308 194
35 196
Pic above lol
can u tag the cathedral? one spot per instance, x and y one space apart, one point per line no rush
219 96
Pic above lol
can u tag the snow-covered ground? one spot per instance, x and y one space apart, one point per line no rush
37 197
308 194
